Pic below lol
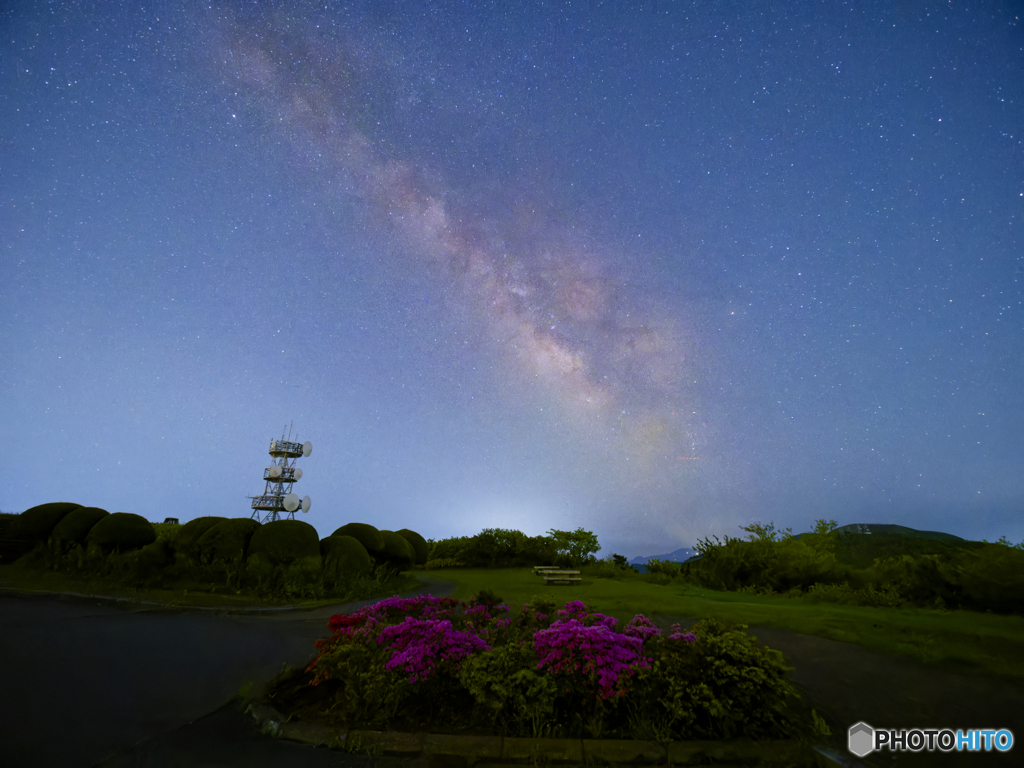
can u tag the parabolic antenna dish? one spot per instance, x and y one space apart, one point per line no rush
307 448
298 473
306 503
274 472
291 502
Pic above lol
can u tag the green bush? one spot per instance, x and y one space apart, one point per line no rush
367 535
988 579
419 544
344 559
186 538
666 567
398 552
447 549
844 594
922 580
143 567
285 541
500 548
226 541
443 562
723 686
36 524
77 523
121 531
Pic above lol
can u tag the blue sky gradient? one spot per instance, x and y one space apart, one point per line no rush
658 270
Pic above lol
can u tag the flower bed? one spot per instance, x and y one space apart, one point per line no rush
443 666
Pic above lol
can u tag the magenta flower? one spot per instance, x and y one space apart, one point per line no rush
419 645
572 647
580 643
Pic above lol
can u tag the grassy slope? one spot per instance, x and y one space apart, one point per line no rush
987 641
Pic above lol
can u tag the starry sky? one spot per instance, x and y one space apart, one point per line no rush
658 270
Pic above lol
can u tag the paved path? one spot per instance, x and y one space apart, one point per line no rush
83 682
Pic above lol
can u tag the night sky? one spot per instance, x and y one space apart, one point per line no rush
656 270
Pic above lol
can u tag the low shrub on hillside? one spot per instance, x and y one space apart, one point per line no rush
928 574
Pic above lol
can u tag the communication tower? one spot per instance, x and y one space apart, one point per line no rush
278 496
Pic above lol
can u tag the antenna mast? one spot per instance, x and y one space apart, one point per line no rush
278 495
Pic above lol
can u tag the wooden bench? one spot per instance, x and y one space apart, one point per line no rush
553 575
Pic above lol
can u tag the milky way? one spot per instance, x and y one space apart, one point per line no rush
551 299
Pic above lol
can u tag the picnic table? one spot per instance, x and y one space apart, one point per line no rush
554 575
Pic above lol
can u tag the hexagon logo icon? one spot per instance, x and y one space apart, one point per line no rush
860 739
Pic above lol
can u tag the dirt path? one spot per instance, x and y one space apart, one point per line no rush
847 684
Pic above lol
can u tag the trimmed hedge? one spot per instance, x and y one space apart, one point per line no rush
37 523
367 535
77 523
344 557
186 538
398 551
284 541
419 545
227 540
122 531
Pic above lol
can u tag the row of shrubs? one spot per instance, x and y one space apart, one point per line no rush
284 557
883 570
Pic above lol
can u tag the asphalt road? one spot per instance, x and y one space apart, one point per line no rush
85 683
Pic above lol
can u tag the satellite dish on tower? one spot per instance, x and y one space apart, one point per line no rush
278 496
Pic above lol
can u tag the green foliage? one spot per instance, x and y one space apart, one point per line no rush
766 533
226 541
447 549
885 568
579 545
886 597
76 524
722 686
344 558
167 531
621 562
186 538
443 562
500 548
419 544
121 531
991 578
511 694
367 535
614 567
487 597
37 523
822 526
398 552
284 541
666 567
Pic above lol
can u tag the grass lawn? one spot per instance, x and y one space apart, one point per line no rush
991 642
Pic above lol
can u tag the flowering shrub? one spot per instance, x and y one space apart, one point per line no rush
418 663
592 648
